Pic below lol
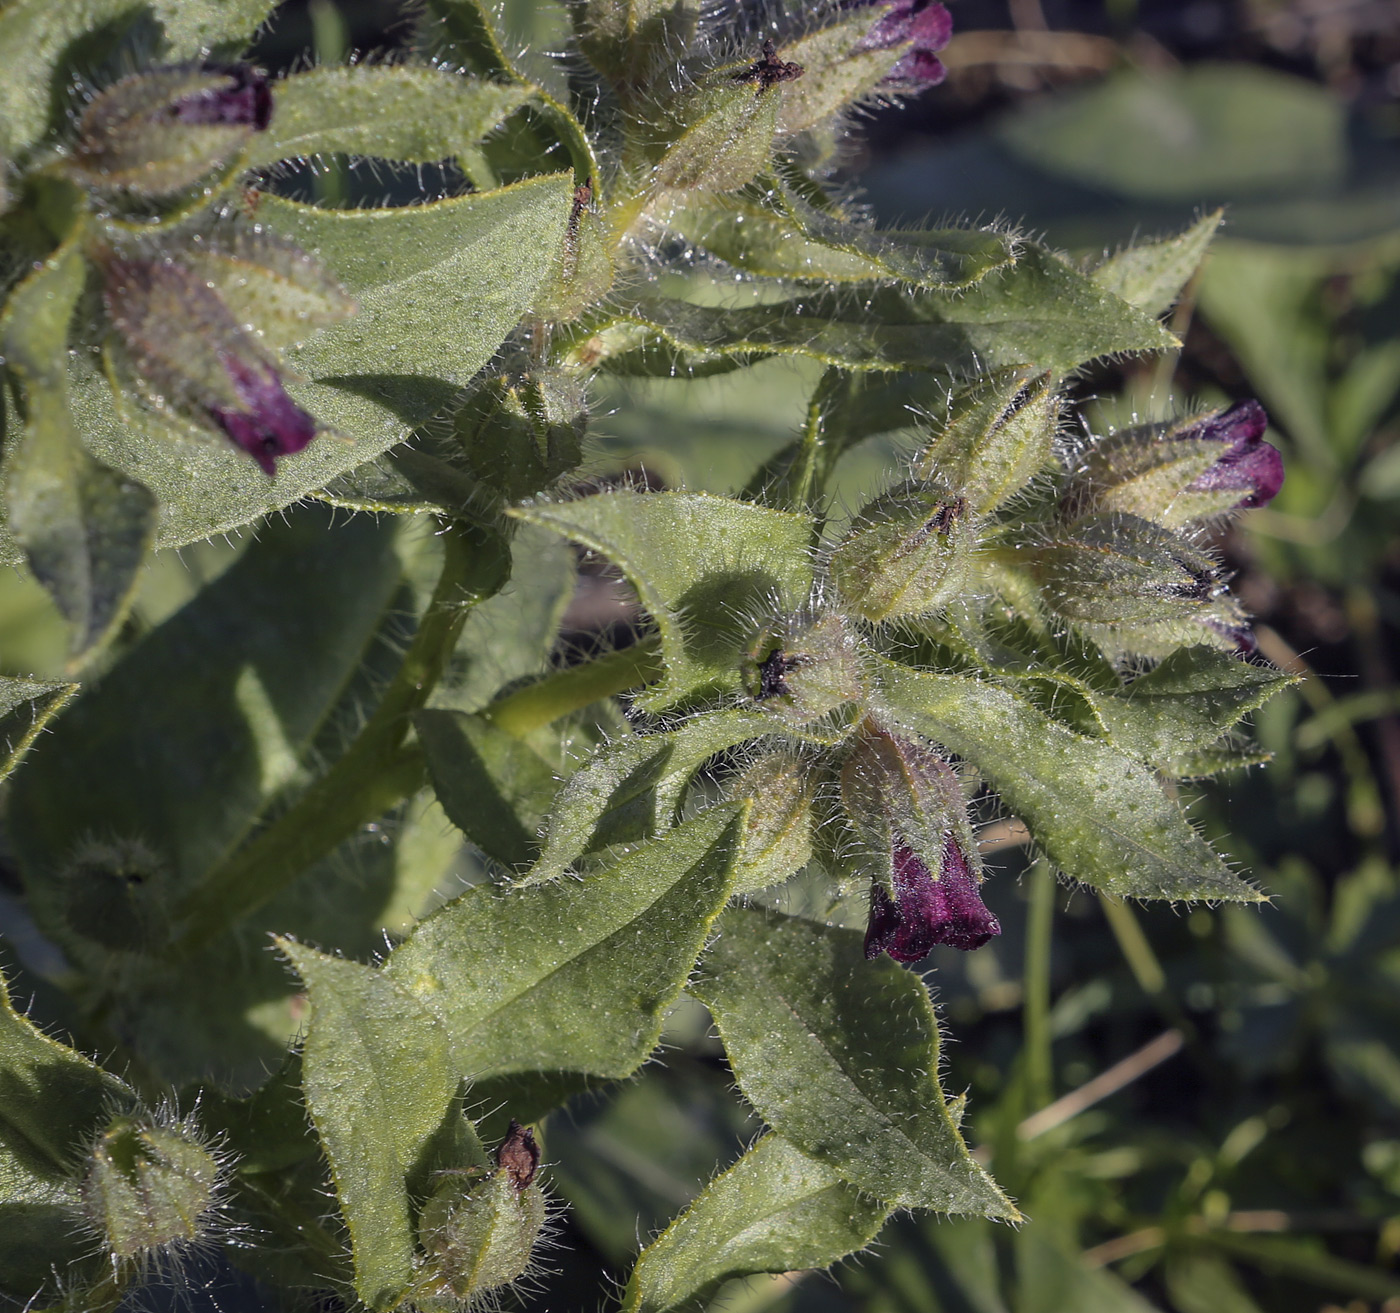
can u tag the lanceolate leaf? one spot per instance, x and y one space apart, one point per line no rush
573 976
85 528
439 287
492 786
1100 816
239 702
382 1091
1152 275
840 1056
1187 702
26 706
777 236
775 1210
1039 310
631 786
397 112
704 568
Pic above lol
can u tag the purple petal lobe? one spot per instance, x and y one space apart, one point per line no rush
925 911
245 102
927 26
272 425
1246 463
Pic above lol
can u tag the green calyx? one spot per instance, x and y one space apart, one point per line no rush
909 553
148 1187
479 1228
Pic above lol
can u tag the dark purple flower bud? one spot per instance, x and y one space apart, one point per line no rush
926 27
926 911
1179 474
245 100
268 423
1246 464
164 129
185 345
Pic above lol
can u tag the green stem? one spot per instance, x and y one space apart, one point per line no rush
1036 1040
376 772
1147 970
572 689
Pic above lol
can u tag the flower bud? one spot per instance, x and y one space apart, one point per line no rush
777 842
519 434
720 135
1180 473
147 1186
182 341
997 436
908 811
631 41
156 132
273 288
117 896
479 1227
810 669
1123 570
909 552
886 46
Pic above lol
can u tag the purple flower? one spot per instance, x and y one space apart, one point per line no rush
927 27
270 424
245 102
1246 464
186 345
925 911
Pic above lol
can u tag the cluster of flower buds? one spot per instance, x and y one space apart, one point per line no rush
1183 473
165 129
907 809
149 1186
170 307
1119 559
807 668
480 1226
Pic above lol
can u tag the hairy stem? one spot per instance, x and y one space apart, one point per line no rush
1036 1040
376 772
572 689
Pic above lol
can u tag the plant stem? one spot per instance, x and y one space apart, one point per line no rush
569 690
376 772
1036 1040
1146 969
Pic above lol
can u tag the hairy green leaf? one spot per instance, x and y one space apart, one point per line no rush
1187 702
439 286
1038 310
840 1055
39 40
739 563
26 707
382 1091
631 787
573 976
1152 275
396 112
1100 816
775 1210
778 236
193 27
493 787
85 528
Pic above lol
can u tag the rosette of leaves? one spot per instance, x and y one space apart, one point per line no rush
1047 615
